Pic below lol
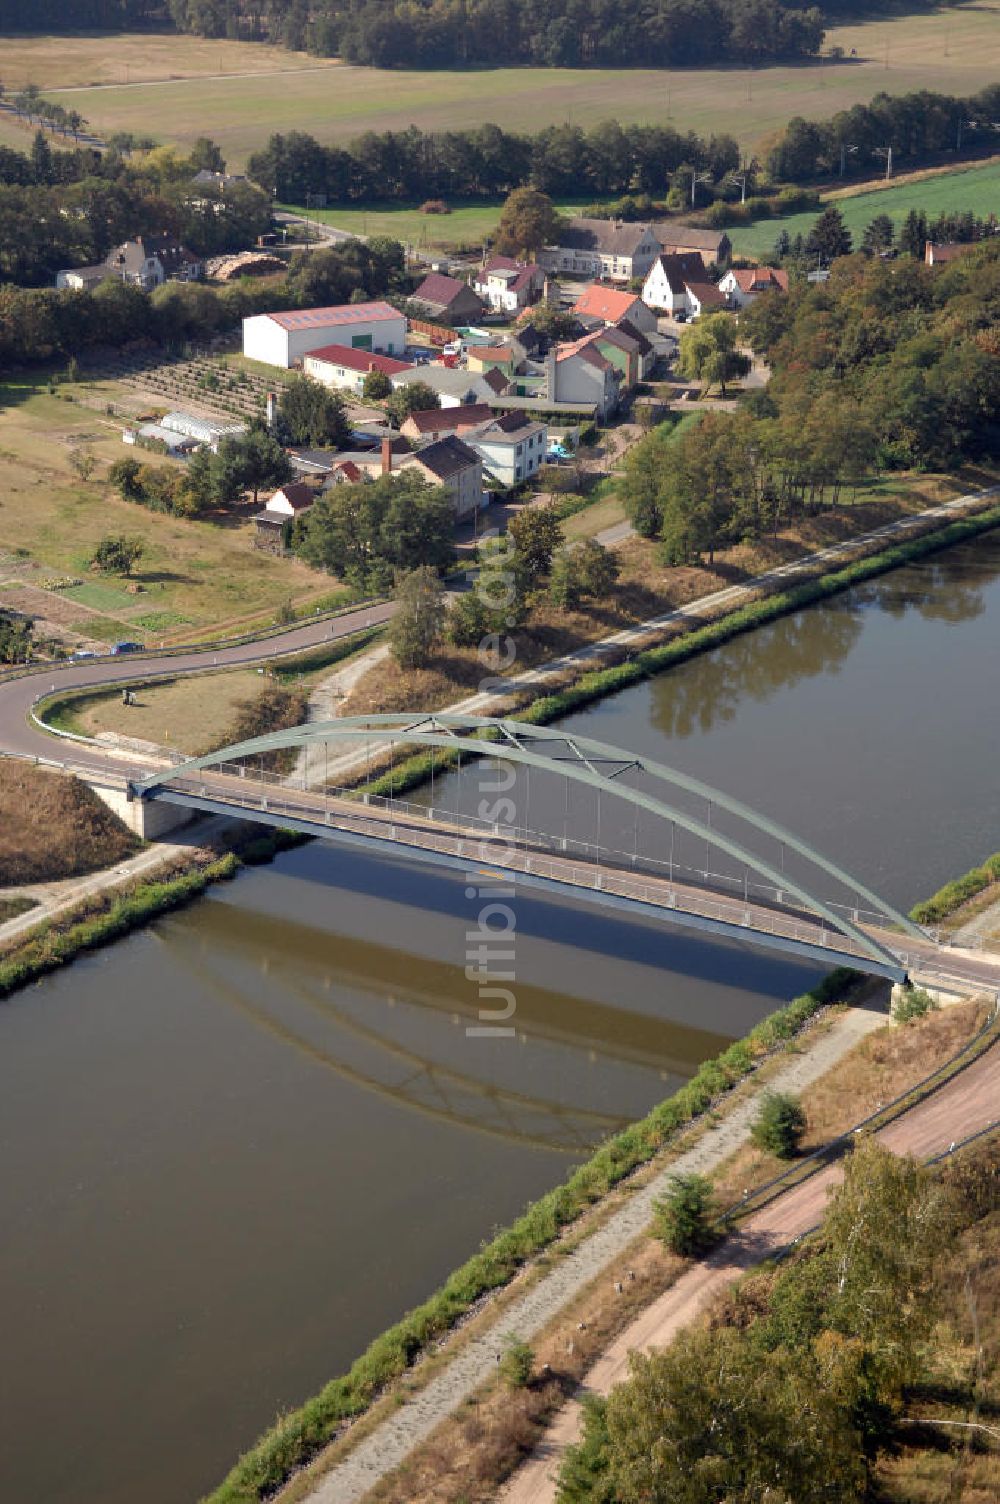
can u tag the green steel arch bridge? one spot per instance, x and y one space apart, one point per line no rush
759 882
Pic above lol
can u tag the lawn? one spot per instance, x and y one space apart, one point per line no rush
467 225
191 714
200 572
953 50
973 188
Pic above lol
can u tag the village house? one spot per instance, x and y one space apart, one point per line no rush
508 357
602 248
664 284
949 250
621 350
150 260
454 388
611 304
578 374
691 240
447 298
345 370
451 463
740 287
433 423
509 286
287 503
284 339
511 447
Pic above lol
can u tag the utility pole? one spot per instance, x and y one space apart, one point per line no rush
844 149
696 178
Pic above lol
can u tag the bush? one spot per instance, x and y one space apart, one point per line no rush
779 1125
684 1216
516 1363
913 1003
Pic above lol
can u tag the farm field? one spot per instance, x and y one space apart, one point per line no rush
953 50
196 577
85 60
468 224
974 188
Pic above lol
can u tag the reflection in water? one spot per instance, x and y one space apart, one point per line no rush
756 665
943 587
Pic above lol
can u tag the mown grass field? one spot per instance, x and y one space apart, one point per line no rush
975 188
195 575
96 59
468 224
953 50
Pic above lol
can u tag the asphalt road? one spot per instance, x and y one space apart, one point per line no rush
19 736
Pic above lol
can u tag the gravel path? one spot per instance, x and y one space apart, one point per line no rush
390 1442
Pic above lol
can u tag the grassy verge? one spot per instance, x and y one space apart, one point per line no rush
92 925
297 1437
958 892
13 908
74 712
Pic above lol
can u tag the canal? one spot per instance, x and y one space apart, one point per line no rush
237 1145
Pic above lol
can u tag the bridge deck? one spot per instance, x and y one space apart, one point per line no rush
619 884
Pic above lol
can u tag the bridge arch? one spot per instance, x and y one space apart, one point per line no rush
581 760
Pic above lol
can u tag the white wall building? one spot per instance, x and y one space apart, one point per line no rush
511 447
345 369
283 339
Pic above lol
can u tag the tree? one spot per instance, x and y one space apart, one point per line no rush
536 533
879 235
310 414
376 386
470 620
707 352
124 475
249 462
587 570
117 554
913 236
367 532
683 1217
829 236
414 397
417 626
528 221
887 1227
585 1476
779 1125
641 484
15 638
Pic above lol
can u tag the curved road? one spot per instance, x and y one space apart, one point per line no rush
20 737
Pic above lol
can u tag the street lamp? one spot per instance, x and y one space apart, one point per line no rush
696 178
844 149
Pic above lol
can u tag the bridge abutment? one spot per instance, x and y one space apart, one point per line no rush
149 819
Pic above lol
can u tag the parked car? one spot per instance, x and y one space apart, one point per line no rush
82 653
559 452
126 647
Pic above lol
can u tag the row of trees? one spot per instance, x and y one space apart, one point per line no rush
855 141
552 33
830 237
486 161
870 370
794 1387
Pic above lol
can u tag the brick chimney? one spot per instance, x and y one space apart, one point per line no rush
386 456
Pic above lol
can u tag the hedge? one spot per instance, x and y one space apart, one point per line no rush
299 1436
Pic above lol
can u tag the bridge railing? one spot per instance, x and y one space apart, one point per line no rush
745 887
658 889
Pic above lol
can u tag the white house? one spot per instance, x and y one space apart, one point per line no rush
664 285
283 339
454 388
602 248
345 369
579 374
511 447
293 498
741 287
508 286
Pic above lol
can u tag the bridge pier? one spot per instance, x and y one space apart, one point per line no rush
149 819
